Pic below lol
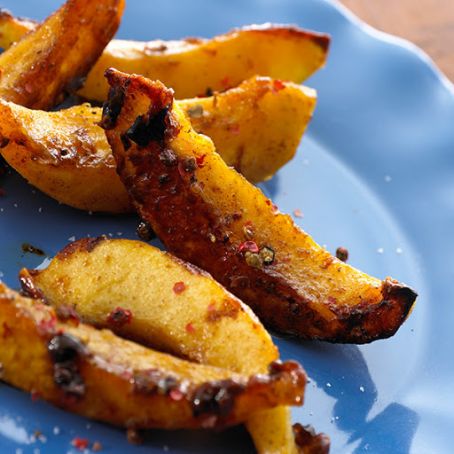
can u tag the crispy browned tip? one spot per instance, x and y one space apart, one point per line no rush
156 90
368 322
161 96
309 442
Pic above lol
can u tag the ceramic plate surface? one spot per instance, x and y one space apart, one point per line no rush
374 173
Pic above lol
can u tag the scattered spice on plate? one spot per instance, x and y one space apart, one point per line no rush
134 437
342 253
79 443
96 446
27 247
145 232
298 213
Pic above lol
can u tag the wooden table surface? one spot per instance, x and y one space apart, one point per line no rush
428 23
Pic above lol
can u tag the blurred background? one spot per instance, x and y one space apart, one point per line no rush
428 23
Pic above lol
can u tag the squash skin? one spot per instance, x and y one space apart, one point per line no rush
53 57
113 380
304 290
66 154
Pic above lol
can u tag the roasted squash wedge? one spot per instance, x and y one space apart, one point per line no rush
56 54
178 309
99 375
208 214
193 67
65 154
256 128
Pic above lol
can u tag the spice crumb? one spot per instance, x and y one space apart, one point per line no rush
80 443
342 253
119 317
134 437
298 213
179 287
145 232
190 328
96 447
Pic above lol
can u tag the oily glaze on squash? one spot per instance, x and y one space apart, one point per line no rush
99 375
57 53
208 214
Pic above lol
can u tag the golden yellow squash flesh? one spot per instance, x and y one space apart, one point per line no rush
37 69
176 308
208 214
194 66
256 127
99 375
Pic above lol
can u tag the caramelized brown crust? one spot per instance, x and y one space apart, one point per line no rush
35 71
309 442
96 374
202 213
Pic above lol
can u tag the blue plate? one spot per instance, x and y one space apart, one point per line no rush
375 173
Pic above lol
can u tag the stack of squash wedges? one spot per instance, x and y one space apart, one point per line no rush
119 331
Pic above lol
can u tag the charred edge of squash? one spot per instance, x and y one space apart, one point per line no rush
367 321
308 441
28 287
156 124
66 353
217 398
82 245
320 39
213 400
